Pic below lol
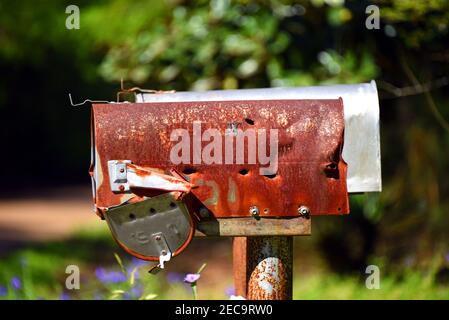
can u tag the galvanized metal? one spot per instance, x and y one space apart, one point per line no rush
311 171
361 110
152 228
263 267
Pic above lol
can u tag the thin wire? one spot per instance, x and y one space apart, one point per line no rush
416 89
430 101
85 101
138 90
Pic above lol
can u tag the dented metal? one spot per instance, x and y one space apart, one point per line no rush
361 110
124 175
152 229
311 171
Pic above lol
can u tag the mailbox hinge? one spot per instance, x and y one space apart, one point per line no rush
124 175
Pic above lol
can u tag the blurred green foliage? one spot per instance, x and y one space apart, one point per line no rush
41 272
201 45
222 44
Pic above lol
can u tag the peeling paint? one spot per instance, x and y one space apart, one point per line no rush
310 131
269 268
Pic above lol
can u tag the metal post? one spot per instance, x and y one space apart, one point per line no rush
263 267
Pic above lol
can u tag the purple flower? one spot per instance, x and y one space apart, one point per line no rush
447 257
130 270
109 276
3 291
98 296
64 296
192 278
230 291
16 283
135 264
138 263
134 293
174 277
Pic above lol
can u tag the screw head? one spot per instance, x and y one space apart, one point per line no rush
122 170
253 210
304 211
204 212
122 187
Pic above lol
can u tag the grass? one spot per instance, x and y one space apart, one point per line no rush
414 285
40 270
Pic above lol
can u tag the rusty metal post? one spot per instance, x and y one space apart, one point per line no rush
263 267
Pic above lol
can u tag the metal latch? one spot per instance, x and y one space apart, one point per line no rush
123 175
154 229
164 250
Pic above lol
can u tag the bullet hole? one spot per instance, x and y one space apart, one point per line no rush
332 165
189 170
249 121
331 170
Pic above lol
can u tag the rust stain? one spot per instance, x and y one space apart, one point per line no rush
311 171
239 265
269 268
263 267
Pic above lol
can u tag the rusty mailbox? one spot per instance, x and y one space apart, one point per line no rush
230 163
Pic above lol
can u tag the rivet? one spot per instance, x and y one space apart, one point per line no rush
204 212
304 211
254 211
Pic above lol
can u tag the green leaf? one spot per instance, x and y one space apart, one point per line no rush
150 296
202 268
132 276
114 296
120 263
118 292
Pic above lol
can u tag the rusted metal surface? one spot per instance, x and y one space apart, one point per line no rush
311 170
238 227
361 110
263 267
239 262
126 176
